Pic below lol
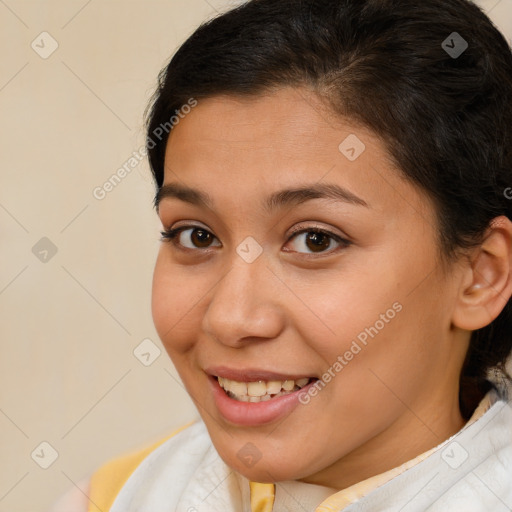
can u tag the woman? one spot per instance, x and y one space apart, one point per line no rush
334 279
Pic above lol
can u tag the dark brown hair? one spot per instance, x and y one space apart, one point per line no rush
400 67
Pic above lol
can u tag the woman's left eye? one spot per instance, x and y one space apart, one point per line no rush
317 241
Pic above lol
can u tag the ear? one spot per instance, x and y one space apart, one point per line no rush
486 286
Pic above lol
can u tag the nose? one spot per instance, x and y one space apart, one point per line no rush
245 306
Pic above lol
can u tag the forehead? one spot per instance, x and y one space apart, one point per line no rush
259 144
291 122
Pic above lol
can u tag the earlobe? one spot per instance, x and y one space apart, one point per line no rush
487 284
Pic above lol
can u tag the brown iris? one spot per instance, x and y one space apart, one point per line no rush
201 238
317 242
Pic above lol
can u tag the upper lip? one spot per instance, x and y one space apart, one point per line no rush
252 374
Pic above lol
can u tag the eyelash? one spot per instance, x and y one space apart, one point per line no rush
170 235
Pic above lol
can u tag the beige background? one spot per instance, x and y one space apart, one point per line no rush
70 324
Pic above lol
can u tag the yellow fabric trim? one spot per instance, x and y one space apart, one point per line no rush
262 497
108 480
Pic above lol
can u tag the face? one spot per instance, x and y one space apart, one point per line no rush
299 293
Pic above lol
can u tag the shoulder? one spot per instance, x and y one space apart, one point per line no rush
106 482
173 474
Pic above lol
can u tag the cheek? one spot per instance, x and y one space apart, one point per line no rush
350 310
175 304
390 350
374 318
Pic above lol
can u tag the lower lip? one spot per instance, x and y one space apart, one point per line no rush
251 414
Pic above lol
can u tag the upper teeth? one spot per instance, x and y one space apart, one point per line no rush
260 390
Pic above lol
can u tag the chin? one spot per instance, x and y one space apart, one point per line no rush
258 467
263 471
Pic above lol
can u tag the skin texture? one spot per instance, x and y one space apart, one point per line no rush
294 311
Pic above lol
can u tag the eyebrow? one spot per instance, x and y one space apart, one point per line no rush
279 199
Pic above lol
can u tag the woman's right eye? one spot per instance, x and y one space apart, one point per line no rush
190 237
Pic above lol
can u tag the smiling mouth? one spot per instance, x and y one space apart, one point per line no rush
261 390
